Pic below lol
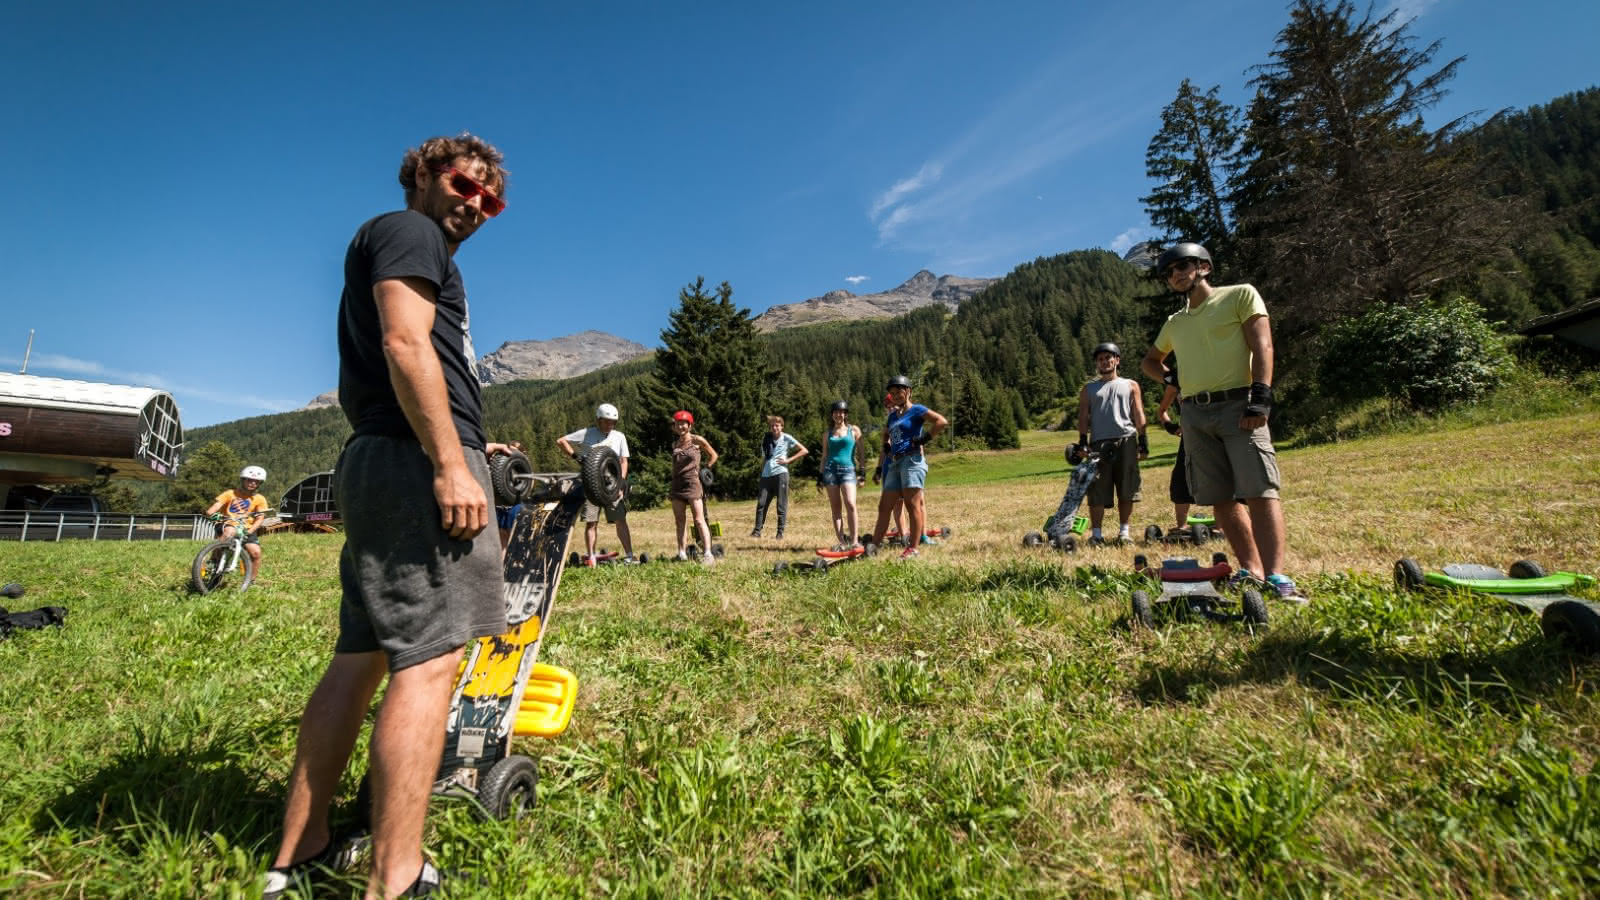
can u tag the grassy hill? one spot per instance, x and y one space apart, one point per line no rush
981 723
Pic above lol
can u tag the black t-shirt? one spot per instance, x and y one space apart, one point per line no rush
405 244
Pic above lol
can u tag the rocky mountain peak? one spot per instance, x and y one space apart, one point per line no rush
921 289
923 282
562 357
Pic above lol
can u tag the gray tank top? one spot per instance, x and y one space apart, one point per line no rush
1111 409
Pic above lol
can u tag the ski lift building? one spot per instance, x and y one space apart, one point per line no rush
59 431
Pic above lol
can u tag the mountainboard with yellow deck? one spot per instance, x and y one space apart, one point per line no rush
501 689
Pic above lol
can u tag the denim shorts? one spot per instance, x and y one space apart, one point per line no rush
838 474
906 473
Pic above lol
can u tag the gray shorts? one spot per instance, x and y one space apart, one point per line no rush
1226 463
410 589
614 514
1118 474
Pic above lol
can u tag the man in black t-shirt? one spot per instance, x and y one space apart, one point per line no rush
420 571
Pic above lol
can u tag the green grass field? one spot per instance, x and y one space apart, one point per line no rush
980 723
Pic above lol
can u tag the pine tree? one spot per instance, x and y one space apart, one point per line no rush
1346 198
714 364
1190 159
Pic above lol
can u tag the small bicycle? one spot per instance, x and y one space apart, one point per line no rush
222 558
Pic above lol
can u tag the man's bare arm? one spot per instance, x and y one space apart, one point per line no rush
1154 364
405 315
1258 337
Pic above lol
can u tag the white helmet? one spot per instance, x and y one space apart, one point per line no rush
254 473
606 411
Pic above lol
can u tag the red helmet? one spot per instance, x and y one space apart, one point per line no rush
683 415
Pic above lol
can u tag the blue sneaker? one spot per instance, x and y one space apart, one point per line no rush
1242 579
1285 588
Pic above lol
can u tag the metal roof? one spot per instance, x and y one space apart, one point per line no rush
64 393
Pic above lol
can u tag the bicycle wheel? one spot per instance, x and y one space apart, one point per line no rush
211 566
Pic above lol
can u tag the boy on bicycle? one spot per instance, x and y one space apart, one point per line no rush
244 507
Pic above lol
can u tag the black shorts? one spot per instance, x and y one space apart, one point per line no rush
410 589
1178 489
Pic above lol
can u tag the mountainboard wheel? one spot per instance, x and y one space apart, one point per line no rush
644 558
1152 532
1575 623
510 788
574 560
716 551
1199 534
511 475
12 590
819 565
1219 558
1143 613
1032 539
779 567
1140 561
1255 608
1408 574
1067 544
602 477
945 531
1526 568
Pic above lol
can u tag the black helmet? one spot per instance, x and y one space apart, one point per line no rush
900 381
839 406
1107 347
1180 252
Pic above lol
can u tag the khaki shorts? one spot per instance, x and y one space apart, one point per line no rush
614 514
1224 463
1118 473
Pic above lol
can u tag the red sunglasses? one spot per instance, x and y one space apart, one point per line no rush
469 187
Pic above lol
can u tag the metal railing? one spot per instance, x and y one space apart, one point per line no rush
37 526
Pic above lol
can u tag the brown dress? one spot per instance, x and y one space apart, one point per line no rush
685 472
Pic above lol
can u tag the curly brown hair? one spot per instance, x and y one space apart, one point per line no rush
439 152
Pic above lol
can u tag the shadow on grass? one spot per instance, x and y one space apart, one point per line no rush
187 786
1348 666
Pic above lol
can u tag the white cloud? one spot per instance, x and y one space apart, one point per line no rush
856 279
89 370
1127 239
928 174
947 200
1406 10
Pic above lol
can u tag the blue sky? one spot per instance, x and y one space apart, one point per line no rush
185 177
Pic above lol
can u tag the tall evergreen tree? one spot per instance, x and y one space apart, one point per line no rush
1190 159
714 364
1346 197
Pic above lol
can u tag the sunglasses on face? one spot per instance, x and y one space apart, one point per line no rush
1182 265
469 187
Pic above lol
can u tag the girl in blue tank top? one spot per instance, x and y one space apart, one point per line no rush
839 474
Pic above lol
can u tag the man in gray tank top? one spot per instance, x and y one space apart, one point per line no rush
1111 415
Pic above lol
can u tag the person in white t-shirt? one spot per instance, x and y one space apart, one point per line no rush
603 433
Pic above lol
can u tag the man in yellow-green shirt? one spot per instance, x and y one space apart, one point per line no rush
1224 339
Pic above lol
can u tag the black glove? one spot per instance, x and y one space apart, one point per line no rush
1144 444
922 438
1170 426
1260 402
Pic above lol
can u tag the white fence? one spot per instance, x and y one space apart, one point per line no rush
37 526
